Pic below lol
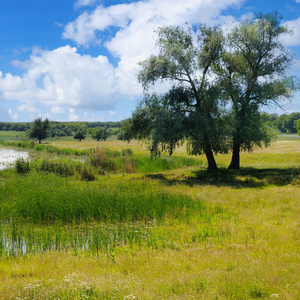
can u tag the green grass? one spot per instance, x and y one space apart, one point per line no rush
289 137
12 135
46 198
171 230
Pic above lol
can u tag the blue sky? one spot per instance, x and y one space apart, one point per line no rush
72 60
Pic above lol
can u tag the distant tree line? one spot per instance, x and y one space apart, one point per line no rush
60 129
285 123
13 126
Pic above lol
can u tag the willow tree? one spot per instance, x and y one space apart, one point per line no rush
253 75
190 110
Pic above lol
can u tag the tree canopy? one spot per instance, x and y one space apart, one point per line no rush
79 135
253 74
219 81
190 110
39 129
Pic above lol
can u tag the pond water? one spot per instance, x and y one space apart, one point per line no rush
9 156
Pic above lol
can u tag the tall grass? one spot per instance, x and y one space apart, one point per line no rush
49 213
45 198
145 164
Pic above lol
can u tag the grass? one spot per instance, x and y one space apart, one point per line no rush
170 230
12 135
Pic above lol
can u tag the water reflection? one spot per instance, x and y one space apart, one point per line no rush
9 156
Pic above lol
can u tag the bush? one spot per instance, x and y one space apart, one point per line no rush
63 167
127 151
100 158
87 173
129 164
22 166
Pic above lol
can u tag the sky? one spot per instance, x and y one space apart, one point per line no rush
77 60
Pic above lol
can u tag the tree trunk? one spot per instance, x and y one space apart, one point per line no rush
40 141
212 165
235 159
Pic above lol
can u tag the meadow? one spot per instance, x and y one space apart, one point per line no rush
140 228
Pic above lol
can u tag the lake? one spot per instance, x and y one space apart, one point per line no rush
9 156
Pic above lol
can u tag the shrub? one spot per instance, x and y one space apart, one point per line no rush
87 173
22 166
127 152
63 167
100 158
129 164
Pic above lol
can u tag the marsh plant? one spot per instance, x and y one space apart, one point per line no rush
103 159
22 165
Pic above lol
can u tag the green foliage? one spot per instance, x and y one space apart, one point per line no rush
15 126
213 115
22 166
298 126
254 53
87 173
59 166
190 110
79 135
55 199
106 133
289 122
102 159
98 133
39 129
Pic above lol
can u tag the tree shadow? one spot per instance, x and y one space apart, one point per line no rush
243 178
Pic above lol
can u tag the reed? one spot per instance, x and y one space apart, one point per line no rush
43 198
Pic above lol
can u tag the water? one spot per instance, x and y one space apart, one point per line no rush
9 156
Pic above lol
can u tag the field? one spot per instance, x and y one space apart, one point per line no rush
150 229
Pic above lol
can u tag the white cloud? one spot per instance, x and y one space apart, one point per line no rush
62 78
134 40
13 116
80 3
294 39
138 19
64 81
55 110
27 108
72 115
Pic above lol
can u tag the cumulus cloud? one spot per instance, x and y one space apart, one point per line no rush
56 110
67 82
72 115
138 19
13 116
294 39
62 78
80 3
135 23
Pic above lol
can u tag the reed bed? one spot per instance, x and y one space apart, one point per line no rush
61 215
43 198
